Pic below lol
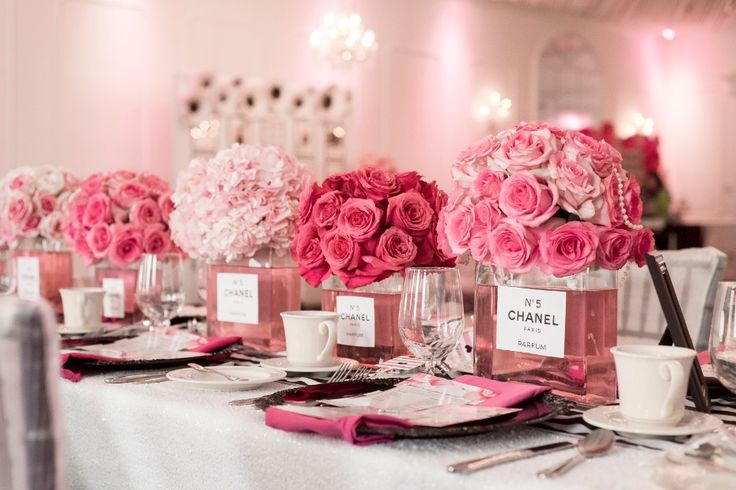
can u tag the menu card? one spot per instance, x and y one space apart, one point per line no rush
149 345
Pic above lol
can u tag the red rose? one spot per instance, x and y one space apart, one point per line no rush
307 252
340 251
643 244
614 248
326 209
308 197
376 183
395 251
410 212
359 218
409 181
345 183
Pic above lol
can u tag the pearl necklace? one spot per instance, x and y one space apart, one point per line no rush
622 200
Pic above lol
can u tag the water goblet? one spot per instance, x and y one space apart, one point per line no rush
160 287
431 313
723 335
8 279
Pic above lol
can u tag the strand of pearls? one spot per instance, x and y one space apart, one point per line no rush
622 200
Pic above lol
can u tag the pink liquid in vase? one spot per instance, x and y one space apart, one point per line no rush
277 290
388 343
55 272
586 373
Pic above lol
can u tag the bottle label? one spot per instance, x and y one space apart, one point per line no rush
531 321
357 323
29 278
237 298
113 303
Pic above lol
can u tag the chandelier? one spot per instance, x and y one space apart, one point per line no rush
342 38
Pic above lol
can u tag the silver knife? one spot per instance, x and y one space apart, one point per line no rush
508 456
137 378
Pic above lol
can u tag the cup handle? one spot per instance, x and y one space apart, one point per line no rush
674 373
329 328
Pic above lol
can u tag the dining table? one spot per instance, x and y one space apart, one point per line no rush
168 436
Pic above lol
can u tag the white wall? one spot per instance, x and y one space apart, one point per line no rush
90 83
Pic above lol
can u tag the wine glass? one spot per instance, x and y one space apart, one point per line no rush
431 313
8 277
723 335
160 287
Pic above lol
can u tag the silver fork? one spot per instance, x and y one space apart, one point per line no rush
360 374
343 370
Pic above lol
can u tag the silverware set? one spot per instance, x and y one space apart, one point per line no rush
347 372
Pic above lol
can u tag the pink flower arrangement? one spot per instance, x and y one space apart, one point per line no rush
241 201
536 195
365 225
32 203
119 216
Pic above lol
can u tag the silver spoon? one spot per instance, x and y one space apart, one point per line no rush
594 444
215 371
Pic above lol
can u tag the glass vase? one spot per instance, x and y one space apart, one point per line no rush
118 281
245 298
368 328
551 331
43 267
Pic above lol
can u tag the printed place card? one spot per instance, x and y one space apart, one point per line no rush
356 326
113 304
29 278
531 321
237 298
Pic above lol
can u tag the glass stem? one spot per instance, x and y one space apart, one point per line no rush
429 366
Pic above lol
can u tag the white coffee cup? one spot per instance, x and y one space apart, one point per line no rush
652 382
310 337
82 307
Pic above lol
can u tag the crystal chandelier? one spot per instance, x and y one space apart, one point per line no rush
342 38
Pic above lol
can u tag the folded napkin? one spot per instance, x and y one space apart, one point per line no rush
495 394
72 371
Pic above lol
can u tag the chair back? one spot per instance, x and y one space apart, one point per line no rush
30 458
695 273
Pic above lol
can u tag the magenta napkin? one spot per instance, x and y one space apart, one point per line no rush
496 394
73 372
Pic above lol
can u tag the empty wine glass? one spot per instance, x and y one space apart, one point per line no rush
431 313
8 277
160 287
723 335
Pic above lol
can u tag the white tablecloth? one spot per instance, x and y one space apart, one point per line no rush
162 436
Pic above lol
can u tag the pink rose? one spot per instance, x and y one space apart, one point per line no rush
80 246
513 247
92 184
129 192
615 248
459 222
486 217
579 186
45 203
345 183
97 210
472 160
309 195
395 251
307 252
145 212
98 239
359 218
326 209
122 175
488 184
127 244
524 149
340 251
602 155
526 199
410 212
51 225
376 183
19 208
166 205
156 239
409 181
155 183
568 249
25 183
30 227
643 244
610 215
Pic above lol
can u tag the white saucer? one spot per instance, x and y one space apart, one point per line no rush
284 364
609 417
255 376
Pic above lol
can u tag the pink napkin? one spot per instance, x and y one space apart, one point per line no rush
73 372
498 394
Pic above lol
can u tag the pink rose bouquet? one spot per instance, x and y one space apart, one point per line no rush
119 216
244 199
33 201
365 225
536 195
